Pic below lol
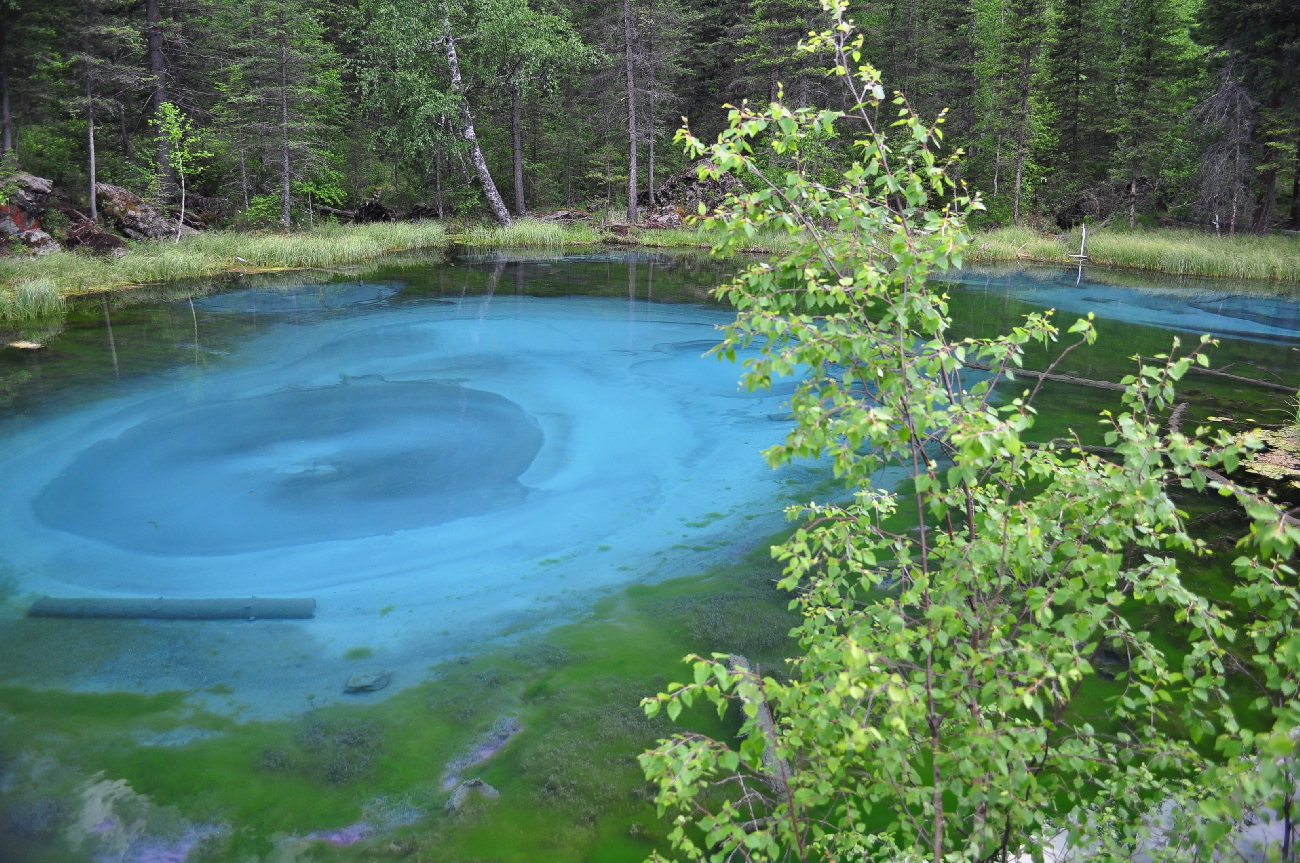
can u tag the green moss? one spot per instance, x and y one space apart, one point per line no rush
355 653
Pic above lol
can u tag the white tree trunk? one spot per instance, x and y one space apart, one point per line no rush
517 133
632 215
286 167
497 205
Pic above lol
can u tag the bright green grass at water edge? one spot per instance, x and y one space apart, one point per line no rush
215 252
1190 253
25 281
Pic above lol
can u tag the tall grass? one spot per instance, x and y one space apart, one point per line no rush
30 298
215 252
1185 253
527 233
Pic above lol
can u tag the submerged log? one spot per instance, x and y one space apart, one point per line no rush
1065 379
253 608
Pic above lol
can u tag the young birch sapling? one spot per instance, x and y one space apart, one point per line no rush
947 704
185 149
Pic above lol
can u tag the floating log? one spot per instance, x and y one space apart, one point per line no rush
253 608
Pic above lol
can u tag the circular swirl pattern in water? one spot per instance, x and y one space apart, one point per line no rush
363 458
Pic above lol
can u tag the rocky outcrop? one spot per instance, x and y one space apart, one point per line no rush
665 217
25 198
133 216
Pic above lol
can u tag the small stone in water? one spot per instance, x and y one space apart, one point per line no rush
462 792
367 681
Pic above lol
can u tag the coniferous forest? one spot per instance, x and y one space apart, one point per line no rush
278 111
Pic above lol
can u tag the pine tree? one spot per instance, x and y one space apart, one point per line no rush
1262 41
1077 92
285 73
101 47
1148 65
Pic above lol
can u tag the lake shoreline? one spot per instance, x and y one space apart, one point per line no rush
218 253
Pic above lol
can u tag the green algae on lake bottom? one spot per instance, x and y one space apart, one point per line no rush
570 785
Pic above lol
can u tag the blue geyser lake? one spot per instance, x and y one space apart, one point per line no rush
432 472
437 468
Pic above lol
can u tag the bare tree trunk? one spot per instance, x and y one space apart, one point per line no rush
1027 52
180 222
123 135
90 142
6 121
158 71
1126 108
997 163
1264 204
497 205
568 149
1286 822
650 132
517 134
1020 153
90 124
1132 197
1295 192
286 167
632 215
437 177
650 154
243 176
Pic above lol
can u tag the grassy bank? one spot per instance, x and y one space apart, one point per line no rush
216 252
1185 253
29 283
31 286
526 234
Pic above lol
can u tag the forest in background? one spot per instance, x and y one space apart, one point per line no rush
274 112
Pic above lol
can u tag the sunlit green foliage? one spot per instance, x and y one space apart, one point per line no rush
976 682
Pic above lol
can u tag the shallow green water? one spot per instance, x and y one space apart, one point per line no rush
193 775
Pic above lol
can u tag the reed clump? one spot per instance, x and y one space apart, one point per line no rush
527 233
30 298
1185 253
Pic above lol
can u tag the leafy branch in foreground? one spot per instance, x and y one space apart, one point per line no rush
980 679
